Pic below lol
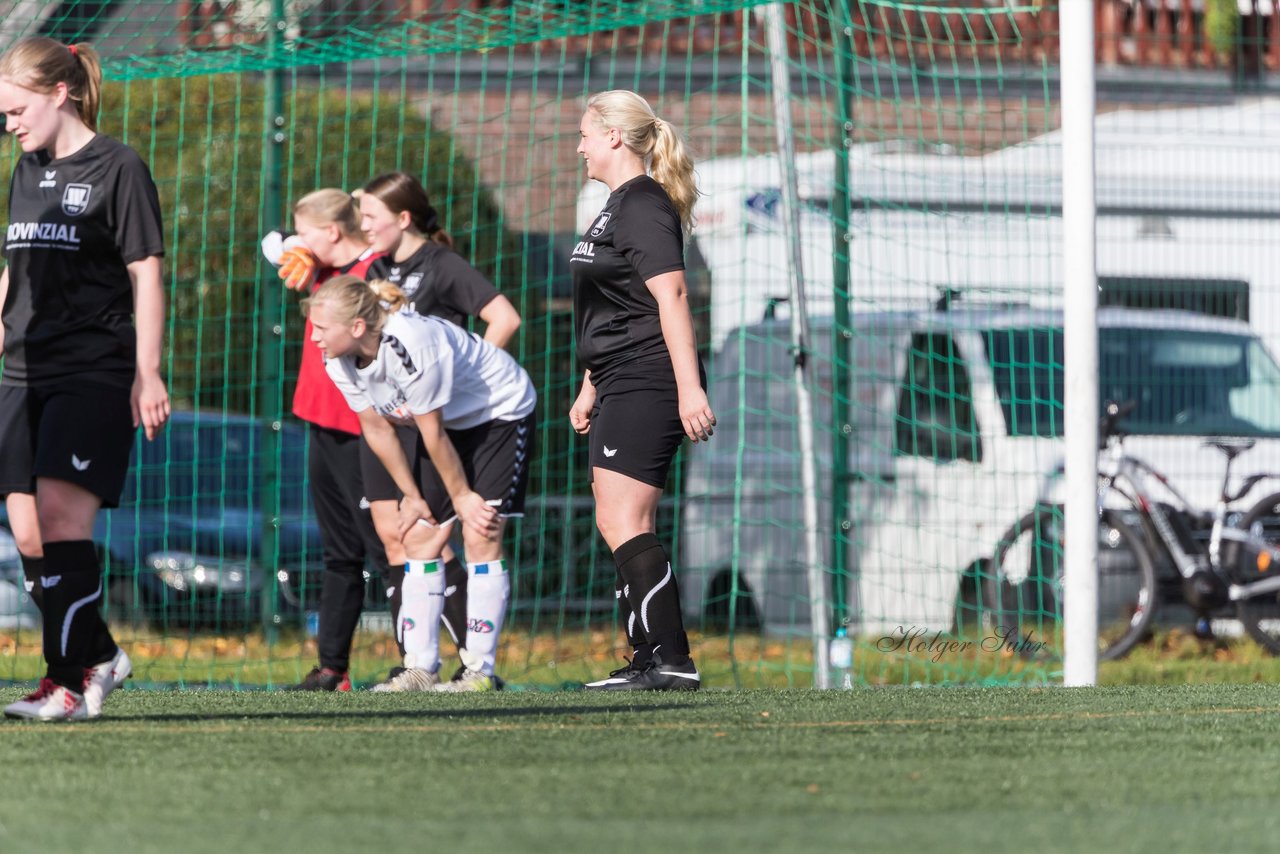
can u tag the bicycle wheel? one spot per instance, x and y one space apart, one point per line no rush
1260 615
1023 584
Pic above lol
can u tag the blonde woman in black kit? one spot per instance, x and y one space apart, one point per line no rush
83 306
643 390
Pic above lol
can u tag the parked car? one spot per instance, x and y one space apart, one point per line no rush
956 425
185 544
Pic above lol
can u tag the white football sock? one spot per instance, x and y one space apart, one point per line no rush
421 604
488 588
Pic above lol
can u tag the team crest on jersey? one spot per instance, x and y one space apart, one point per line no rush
601 222
411 284
75 199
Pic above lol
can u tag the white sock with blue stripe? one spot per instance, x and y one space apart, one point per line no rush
421 604
488 589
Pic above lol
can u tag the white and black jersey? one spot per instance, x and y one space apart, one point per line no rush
437 281
74 225
636 236
426 364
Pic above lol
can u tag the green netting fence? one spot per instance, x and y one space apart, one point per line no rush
929 178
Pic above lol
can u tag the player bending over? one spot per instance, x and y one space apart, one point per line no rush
473 408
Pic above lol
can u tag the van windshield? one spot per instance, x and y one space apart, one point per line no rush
1185 383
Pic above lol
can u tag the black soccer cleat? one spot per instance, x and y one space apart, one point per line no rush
323 679
660 676
618 680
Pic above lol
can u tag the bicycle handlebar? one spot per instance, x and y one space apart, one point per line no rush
1113 413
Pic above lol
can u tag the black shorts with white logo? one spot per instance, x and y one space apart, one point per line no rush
495 458
78 432
635 425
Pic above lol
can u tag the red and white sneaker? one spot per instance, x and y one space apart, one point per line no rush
101 680
49 702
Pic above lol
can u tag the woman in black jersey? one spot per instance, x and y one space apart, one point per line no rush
83 305
416 255
644 386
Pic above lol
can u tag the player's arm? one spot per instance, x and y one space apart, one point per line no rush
502 320
385 445
677 331
149 398
580 412
467 503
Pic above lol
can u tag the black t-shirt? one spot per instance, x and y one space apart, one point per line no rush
635 237
74 225
437 281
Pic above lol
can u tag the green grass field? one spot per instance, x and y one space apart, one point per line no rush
877 769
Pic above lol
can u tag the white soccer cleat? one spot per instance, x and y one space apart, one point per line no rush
105 678
49 702
469 680
409 680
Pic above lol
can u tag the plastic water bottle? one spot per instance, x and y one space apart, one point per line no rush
841 654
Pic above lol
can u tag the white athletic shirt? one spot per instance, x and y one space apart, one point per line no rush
425 364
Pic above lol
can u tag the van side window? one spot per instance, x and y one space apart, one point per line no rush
935 403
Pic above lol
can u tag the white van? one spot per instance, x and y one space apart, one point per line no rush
957 426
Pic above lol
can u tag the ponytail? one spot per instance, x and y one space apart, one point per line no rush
349 298
672 167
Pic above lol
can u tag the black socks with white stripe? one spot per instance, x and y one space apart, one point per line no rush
654 596
75 636
641 649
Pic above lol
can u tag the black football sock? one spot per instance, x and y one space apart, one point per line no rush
392 580
75 636
32 567
455 601
641 649
654 596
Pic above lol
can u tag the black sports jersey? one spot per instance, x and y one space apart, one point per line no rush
74 225
437 281
635 237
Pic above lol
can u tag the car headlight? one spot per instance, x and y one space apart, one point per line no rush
184 571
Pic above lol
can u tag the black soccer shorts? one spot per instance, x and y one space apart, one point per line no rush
78 432
636 429
495 457
378 485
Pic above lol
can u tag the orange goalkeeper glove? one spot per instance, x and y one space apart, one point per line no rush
297 266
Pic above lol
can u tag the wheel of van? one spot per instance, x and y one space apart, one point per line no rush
1260 615
1022 585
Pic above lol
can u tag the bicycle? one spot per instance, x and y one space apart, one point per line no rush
1222 557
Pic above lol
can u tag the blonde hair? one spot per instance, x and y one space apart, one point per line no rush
349 297
653 139
332 207
40 64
